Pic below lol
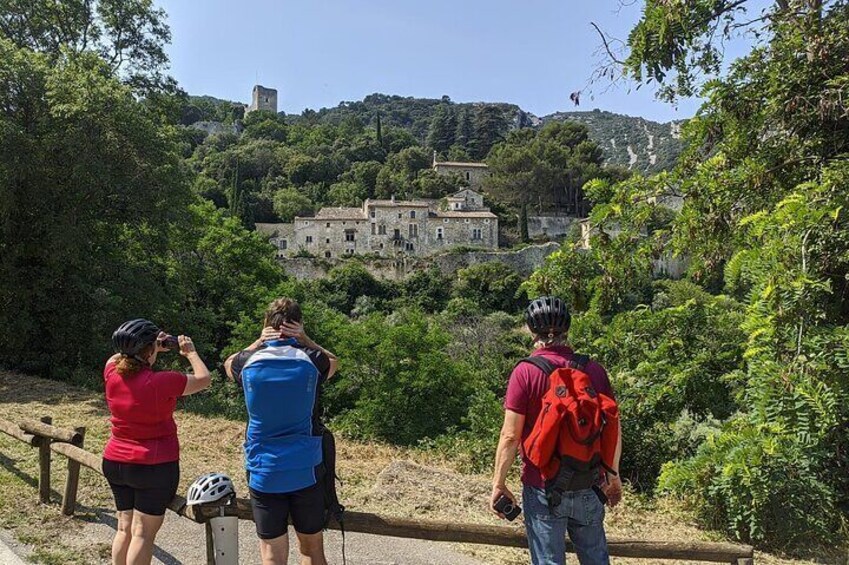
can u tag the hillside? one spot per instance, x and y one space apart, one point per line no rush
629 141
636 143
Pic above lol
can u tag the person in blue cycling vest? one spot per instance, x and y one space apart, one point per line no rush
281 375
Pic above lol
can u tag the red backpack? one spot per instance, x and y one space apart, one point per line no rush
577 429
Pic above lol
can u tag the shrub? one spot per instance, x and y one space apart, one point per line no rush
758 485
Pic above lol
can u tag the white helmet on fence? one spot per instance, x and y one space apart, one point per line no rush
209 488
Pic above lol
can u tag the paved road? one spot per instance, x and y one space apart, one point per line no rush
7 555
182 542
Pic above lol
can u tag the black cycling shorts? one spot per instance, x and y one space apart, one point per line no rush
146 488
272 511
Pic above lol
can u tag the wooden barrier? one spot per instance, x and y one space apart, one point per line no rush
44 462
364 522
72 483
44 429
505 536
14 430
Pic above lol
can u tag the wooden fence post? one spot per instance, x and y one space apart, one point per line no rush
44 465
69 501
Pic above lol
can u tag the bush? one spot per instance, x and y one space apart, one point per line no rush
397 382
758 485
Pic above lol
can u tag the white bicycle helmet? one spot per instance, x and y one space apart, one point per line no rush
209 488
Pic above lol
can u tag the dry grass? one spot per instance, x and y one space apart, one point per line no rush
377 478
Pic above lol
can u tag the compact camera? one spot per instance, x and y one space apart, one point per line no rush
505 506
170 341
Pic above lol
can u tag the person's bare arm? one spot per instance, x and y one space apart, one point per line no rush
613 488
296 330
268 333
199 379
505 454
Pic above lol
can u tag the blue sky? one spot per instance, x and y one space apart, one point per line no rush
317 53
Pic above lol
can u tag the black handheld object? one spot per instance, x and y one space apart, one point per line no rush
170 342
505 506
600 494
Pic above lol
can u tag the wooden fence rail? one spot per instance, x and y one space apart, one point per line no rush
68 443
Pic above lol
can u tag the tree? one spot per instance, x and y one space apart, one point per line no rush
493 286
762 218
91 187
490 127
545 168
129 36
288 203
442 129
465 134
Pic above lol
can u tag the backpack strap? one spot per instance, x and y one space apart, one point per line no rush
540 363
579 361
547 367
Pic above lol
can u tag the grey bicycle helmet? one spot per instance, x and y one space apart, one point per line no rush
133 336
210 488
548 316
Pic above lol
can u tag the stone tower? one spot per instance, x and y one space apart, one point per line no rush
263 99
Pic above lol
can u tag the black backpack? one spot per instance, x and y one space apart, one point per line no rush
332 507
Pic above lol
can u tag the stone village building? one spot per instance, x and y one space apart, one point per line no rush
475 174
389 228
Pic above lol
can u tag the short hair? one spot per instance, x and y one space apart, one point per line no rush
281 311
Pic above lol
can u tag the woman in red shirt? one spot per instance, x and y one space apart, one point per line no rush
141 459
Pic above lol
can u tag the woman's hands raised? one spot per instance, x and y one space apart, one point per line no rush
187 346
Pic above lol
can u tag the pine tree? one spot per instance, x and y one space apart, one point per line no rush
442 129
490 126
465 131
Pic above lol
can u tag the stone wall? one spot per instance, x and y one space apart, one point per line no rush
550 226
217 128
525 261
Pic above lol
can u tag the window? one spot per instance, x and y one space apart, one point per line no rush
414 230
439 233
373 230
486 221
400 215
282 244
408 246
306 223
349 235
466 221
327 225
456 205
327 240
327 254
468 175
445 221
397 234
381 246
381 229
349 251
476 233
372 213
309 239
412 214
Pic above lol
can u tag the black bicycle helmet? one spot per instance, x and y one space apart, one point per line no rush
548 316
133 336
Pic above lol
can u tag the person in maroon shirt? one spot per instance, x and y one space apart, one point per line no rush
580 513
141 458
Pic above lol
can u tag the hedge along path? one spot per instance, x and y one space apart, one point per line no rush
68 443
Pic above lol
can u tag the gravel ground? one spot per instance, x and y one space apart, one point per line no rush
182 542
